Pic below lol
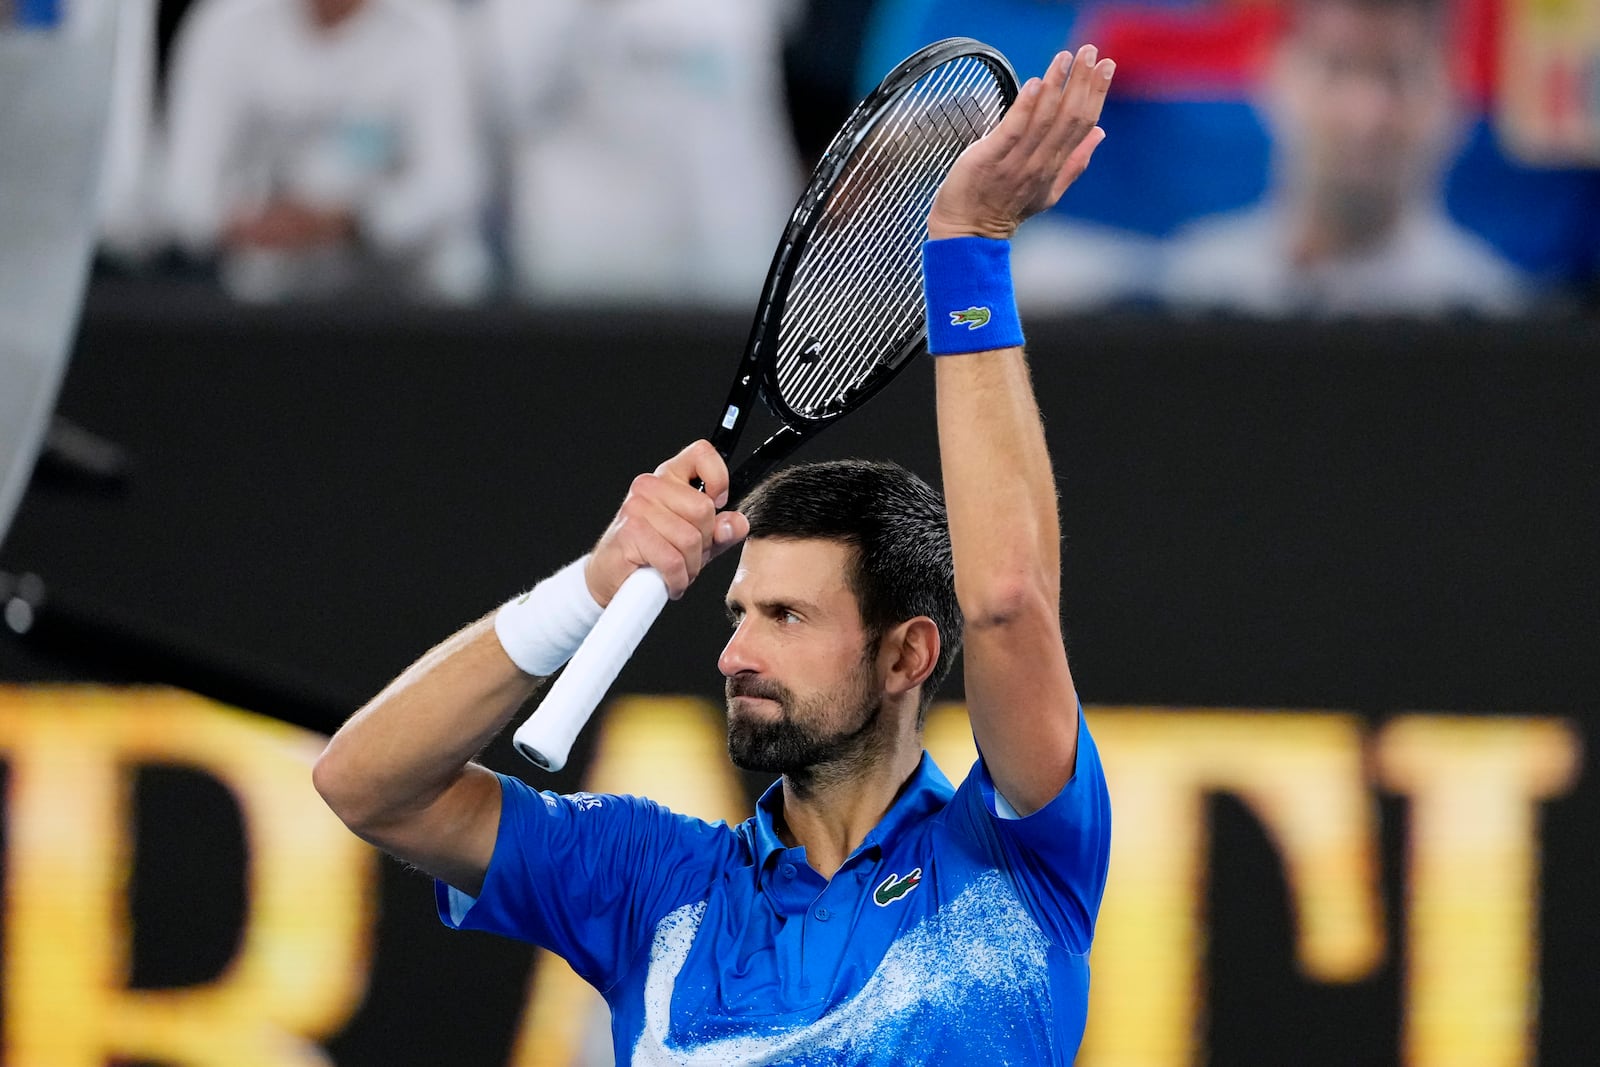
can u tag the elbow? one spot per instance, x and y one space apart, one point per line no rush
1005 603
340 789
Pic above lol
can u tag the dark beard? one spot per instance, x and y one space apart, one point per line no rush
792 748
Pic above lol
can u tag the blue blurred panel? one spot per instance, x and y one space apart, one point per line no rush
38 14
1028 32
1164 164
1545 221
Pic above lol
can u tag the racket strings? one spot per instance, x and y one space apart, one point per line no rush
888 192
898 184
856 297
859 359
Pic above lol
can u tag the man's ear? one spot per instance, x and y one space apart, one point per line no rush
908 653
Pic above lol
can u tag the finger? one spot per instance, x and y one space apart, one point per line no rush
1075 98
1046 111
648 547
1082 71
732 527
657 537
1082 102
690 542
699 460
682 502
1076 90
661 524
1077 162
1002 141
1099 86
1089 95
1055 75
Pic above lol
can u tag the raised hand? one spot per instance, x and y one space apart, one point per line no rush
1040 148
668 524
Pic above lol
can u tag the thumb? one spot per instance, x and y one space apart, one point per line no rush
730 529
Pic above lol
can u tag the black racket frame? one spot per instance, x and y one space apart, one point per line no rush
757 374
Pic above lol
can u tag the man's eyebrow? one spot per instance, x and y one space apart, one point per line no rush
805 607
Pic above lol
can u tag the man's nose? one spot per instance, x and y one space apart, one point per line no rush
739 654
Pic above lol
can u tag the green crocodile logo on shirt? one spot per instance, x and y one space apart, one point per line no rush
894 887
973 317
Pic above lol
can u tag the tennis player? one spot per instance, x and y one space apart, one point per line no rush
868 913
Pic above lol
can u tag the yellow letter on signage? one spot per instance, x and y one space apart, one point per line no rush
302 962
1301 774
1472 879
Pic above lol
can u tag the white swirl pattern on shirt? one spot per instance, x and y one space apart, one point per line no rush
962 965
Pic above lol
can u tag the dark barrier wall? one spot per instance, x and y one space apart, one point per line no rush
1357 550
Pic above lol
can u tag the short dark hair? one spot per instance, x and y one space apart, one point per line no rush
897 525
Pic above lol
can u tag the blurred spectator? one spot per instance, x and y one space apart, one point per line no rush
1364 117
649 153
322 146
1078 256
130 227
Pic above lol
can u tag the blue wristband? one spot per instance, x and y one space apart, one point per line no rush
966 282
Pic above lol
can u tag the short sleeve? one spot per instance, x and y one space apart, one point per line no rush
587 876
1057 856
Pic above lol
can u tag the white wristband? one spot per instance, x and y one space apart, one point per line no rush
542 628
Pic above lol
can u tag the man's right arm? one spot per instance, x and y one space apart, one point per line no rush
399 772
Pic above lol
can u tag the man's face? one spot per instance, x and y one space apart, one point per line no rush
1363 104
802 682
330 13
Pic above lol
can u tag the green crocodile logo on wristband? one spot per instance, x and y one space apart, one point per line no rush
973 317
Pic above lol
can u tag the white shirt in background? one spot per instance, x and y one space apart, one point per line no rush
649 156
373 117
130 209
1430 266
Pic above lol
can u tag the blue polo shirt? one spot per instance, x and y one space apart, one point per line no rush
952 935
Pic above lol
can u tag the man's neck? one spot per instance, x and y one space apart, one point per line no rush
1334 228
831 816
328 15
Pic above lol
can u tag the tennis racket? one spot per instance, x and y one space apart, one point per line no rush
841 314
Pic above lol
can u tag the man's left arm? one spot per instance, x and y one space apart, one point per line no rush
999 486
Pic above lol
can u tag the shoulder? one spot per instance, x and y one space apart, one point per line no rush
1223 259
1062 264
617 822
1231 233
1056 858
418 16
1465 265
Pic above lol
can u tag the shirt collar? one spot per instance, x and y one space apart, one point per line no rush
927 791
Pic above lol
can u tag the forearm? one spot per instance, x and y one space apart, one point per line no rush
1004 534
999 487
410 744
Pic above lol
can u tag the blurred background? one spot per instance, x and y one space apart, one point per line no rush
1358 157
326 325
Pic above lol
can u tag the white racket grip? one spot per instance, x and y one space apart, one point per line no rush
547 735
